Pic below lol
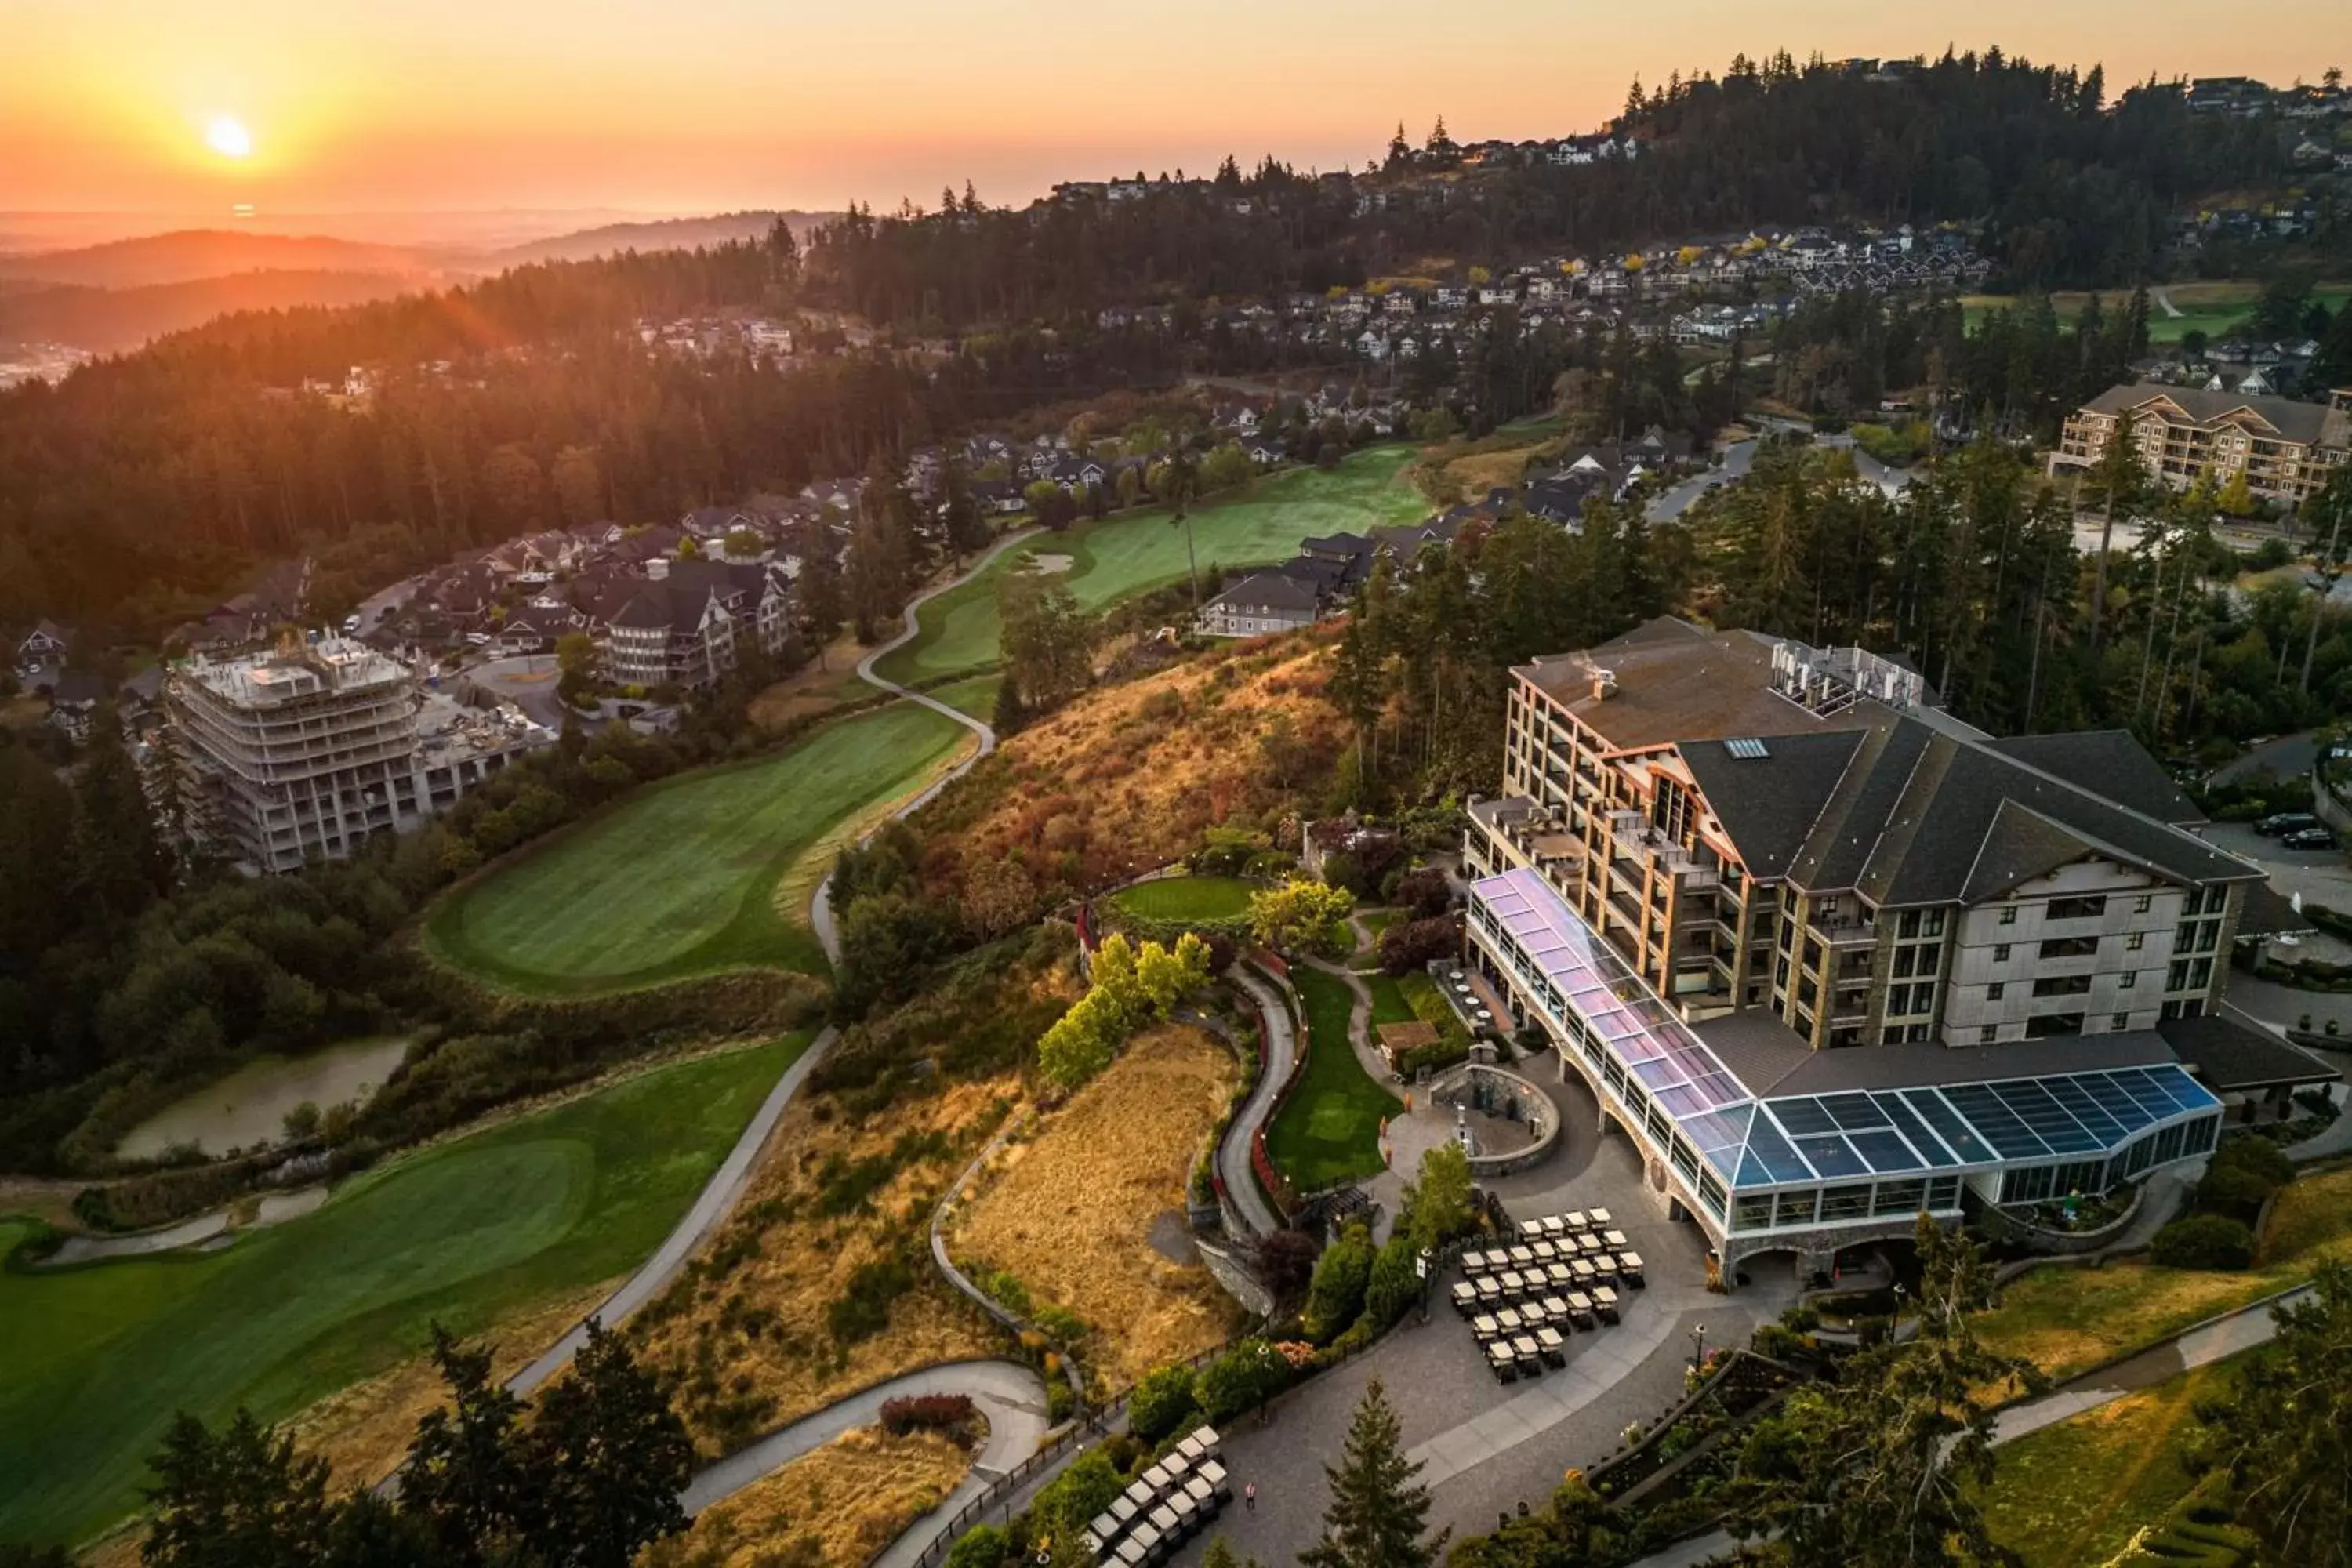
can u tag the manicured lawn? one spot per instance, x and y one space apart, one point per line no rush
2216 307
1389 1004
99 1357
679 878
975 696
1135 551
1188 899
2075 1493
2069 1320
1330 1129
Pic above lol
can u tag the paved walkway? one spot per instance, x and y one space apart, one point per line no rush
1009 1394
1234 1153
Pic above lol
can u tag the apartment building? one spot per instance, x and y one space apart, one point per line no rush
1833 958
306 751
2286 449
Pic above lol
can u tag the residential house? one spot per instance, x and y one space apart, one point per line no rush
2285 449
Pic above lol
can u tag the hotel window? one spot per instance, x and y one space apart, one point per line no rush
2081 908
1795 1208
2008 914
2119 1021
2000 953
2134 942
1753 1212
1994 992
1988 1034
1944 1193
2142 904
1899 1197
2129 979
1845 1202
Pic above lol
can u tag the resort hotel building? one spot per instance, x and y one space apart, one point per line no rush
1834 959
306 751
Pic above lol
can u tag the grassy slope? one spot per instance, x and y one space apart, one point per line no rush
463 1233
1138 551
676 881
1329 1129
2069 1320
1188 899
974 695
2213 309
2076 1492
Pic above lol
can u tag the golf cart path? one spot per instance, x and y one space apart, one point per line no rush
2216 1338
1234 1153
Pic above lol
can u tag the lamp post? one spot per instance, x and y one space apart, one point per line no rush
1698 1347
1421 1272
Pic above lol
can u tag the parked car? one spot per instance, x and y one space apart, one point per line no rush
2285 822
2309 838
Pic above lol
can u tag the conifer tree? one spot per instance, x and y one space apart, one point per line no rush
1378 1512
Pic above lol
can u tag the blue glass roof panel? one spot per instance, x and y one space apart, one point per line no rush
1906 1120
1885 1150
2078 1099
1833 1156
1800 1115
1950 1125
2010 1138
1854 1112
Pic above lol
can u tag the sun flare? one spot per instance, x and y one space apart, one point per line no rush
229 139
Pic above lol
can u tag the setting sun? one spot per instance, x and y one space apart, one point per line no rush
227 138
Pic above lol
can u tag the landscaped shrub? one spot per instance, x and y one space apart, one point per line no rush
982 1546
1070 1501
1163 1404
1414 945
2203 1241
1394 1284
2236 1191
1241 1380
1424 893
2259 1155
949 1413
1342 1274
1285 1261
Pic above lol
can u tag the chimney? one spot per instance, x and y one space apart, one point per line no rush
1604 685
657 569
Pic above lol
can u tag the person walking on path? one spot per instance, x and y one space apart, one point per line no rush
1249 1497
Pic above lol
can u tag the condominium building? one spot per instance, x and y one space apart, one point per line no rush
2285 449
1833 958
306 751
686 623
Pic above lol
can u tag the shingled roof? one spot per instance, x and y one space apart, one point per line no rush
2303 422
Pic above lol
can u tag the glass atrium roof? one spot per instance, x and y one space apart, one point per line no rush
1849 1136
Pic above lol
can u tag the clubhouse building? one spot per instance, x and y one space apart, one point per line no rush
1832 958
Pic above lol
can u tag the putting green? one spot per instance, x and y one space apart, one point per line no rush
99 1357
1188 899
680 879
1135 551
1329 1130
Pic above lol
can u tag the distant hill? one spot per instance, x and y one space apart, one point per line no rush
189 254
105 321
666 234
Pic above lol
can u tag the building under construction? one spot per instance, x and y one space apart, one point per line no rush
305 752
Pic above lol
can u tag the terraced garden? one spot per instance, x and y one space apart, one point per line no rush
684 878
469 1233
1135 552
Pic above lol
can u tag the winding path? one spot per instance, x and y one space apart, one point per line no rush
1234 1153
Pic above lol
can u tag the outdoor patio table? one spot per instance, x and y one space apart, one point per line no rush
1614 1239
1554 1347
1604 1301
1600 1216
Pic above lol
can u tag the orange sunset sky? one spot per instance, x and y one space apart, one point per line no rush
697 105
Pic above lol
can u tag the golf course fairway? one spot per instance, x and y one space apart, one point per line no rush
1135 552
679 878
99 1357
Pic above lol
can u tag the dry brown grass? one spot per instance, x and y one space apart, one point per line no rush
363 1430
1118 783
1068 1211
791 1261
810 690
834 1507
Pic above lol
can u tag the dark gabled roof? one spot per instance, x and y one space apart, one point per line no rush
2303 422
665 606
2111 762
2266 913
1270 591
1768 803
2228 1056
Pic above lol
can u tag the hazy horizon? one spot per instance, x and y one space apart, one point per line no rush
689 107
